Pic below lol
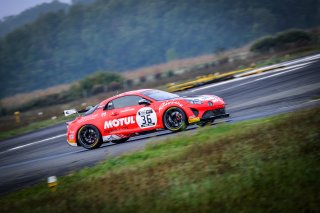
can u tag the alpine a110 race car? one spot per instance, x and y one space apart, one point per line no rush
120 117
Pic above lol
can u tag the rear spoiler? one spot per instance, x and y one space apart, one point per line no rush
70 112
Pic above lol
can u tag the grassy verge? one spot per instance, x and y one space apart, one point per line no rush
266 165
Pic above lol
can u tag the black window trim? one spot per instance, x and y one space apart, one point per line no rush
105 107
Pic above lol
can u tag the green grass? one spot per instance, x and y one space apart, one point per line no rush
266 165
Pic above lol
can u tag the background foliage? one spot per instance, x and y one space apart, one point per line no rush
283 40
65 46
9 23
97 82
101 81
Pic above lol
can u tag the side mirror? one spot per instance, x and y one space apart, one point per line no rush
143 102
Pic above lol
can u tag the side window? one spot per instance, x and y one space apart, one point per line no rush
109 105
126 101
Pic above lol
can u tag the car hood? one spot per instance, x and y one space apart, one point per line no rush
204 98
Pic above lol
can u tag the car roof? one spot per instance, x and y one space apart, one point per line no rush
131 92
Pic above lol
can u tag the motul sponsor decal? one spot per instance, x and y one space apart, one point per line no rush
119 122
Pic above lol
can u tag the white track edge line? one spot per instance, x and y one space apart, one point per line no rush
36 142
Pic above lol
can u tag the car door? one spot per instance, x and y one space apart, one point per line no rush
127 117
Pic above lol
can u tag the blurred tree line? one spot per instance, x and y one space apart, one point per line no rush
9 23
95 83
284 40
65 46
82 1
100 81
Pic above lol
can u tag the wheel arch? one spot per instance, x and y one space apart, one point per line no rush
173 106
80 127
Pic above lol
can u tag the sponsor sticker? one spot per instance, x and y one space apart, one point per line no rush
193 120
119 122
146 117
167 103
127 110
118 129
87 118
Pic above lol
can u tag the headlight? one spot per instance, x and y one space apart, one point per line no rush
194 101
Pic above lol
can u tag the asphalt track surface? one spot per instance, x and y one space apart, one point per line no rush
31 158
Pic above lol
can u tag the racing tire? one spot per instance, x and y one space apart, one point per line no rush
174 119
89 137
122 140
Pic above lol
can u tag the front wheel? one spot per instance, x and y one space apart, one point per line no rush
174 119
89 137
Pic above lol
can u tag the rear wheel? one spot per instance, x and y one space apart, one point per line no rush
122 140
174 119
89 137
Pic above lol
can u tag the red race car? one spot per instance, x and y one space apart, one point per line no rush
120 117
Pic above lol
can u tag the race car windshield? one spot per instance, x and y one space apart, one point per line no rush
159 95
90 111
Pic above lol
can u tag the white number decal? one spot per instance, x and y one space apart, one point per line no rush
146 117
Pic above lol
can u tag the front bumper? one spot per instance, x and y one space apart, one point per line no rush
72 143
214 114
71 138
209 115
213 117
